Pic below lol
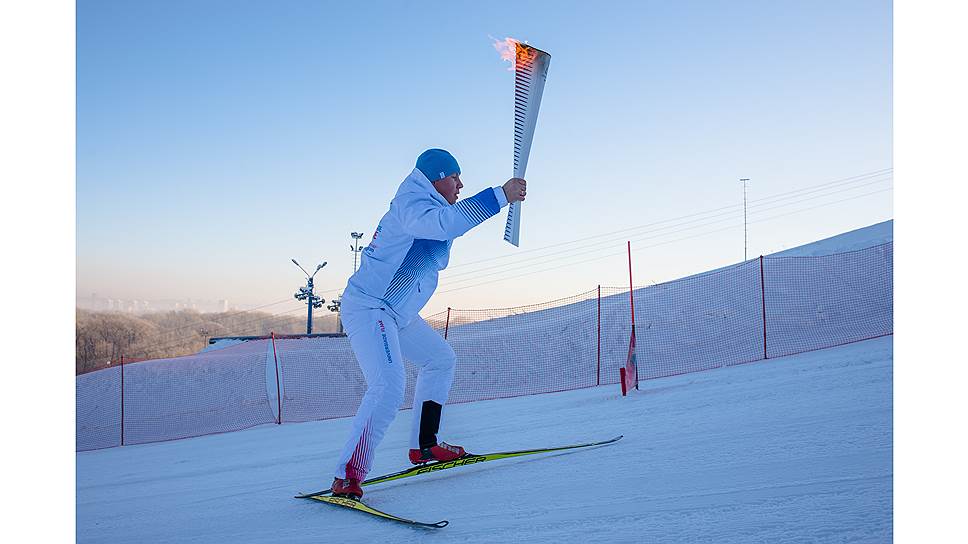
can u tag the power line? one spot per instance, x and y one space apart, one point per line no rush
660 243
727 214
812 188
641 238
652 245
702 222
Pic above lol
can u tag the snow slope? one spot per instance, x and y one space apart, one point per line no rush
786 450
876 234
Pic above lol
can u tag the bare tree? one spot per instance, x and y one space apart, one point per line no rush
106 336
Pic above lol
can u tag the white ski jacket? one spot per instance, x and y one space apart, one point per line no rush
398 269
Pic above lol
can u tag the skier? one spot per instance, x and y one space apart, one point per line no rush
397 276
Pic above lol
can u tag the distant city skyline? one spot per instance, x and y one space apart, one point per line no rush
217 141
97 303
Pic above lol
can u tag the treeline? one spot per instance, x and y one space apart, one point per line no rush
103 337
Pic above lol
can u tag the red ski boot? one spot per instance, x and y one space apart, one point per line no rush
440 452
349 487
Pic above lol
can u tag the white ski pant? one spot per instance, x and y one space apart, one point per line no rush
380 348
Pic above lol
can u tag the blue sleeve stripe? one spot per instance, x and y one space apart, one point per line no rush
479 207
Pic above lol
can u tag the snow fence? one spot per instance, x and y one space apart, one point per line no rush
759 309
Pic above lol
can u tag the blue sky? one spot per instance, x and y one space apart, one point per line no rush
216 140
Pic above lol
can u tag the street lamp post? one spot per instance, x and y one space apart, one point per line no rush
306 293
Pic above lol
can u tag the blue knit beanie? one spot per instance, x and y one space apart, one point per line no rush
437 164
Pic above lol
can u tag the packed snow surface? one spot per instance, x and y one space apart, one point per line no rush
785 450
876 234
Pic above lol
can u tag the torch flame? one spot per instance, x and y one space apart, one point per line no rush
514 51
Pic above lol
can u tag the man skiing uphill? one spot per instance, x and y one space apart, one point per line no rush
397 276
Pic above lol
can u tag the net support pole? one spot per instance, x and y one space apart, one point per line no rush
763 300
447 323
275 359
122 399
598 367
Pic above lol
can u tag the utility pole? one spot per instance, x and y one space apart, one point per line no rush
306 293
744 180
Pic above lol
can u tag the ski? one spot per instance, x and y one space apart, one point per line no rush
361 507
467 459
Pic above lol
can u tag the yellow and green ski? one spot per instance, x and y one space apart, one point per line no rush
467 459
359 506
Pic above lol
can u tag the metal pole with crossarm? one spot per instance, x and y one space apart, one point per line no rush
306 293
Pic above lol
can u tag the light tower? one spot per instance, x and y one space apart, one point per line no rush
306 293
355 248
335 306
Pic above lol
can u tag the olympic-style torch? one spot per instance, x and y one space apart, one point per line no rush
530 67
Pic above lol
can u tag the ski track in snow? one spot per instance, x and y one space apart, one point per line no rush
797 449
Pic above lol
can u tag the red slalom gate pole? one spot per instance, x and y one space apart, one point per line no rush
631 298
632 305
275 358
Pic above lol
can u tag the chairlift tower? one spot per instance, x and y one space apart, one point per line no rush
306 293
